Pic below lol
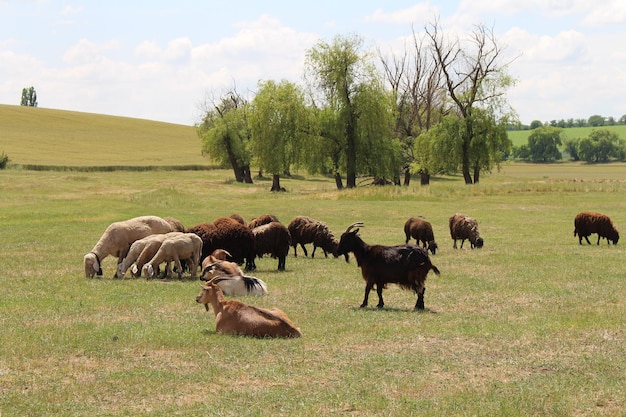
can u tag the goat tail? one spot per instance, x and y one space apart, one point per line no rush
435 270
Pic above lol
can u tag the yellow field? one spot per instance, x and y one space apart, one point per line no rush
37 136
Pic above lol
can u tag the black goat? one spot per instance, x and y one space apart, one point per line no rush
406 265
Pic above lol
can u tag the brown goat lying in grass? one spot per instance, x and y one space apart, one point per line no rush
237 318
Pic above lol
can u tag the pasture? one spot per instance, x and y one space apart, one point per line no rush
532 324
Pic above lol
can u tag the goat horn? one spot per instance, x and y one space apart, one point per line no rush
353 225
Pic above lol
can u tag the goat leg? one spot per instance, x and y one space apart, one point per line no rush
368 288
379 290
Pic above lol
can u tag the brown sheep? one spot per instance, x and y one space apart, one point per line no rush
464 227
239 218
274 239
237 318
230 235
588 222
176 224
261 220
304 229
420 230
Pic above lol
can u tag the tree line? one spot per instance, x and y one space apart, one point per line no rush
438 106
595 120
549 144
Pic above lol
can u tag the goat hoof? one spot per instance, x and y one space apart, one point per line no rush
363 305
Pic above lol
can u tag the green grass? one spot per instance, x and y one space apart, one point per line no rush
44 137
532 324
520 137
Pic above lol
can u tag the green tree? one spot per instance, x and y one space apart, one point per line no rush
487 150
476 81
279 124
420 101
29 97
543 144
600 146
596 120
225 135
349 94
571 147
535 124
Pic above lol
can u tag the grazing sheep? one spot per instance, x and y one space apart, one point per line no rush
406 265
187 246
464 227
118 237
237 318
230 235
420 230
588 222
141 251
177 226
261 220
273 239
304 229
230 278
239 218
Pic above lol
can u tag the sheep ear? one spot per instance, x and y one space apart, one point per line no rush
96 266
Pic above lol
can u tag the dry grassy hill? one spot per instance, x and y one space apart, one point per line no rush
45 137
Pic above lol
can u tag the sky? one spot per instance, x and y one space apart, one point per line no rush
164 60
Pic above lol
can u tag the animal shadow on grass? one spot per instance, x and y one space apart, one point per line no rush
395 310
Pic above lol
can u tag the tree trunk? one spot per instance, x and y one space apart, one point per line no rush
247 176
476 174
276 183
407 176
424 177
338 181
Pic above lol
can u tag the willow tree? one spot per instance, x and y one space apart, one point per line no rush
349 93
475 81
225 135
279 123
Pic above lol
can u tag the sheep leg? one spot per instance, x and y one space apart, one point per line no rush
586 238
599 239
281 263
454 245
313 253
419 305
304 250
368 288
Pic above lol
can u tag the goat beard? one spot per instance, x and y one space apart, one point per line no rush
206 307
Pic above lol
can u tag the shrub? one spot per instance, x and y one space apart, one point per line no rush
4 160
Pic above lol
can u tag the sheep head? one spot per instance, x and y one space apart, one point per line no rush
92 265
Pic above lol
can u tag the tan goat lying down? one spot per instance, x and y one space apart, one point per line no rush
237 318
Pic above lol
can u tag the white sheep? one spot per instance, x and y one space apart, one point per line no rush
118 237
187 246
140 252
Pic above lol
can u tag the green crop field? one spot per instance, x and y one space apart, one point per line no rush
520 137
531 324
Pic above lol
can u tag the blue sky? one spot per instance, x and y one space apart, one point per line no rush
161 60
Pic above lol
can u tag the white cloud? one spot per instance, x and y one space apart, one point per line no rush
418 14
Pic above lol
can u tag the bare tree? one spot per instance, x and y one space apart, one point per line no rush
474 78
416 81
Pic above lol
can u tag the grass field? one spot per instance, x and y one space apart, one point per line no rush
532 324
520 137
38 136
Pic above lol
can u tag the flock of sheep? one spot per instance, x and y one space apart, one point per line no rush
144 244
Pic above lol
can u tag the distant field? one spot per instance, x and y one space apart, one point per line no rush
520 137
40 136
